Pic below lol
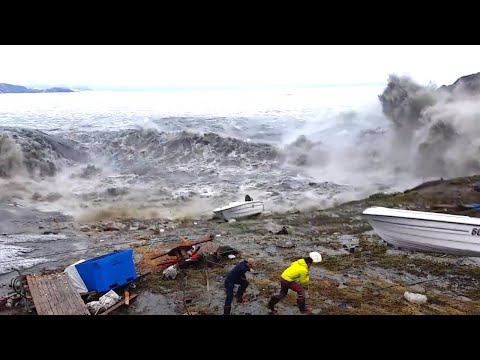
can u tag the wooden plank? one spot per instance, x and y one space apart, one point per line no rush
44 295
80 303
30 281
50 298
69 307
33 291
117 305
54 295
55 302
71 297
42 307
59 284
37 295
69 301
62 308
40 295
77 299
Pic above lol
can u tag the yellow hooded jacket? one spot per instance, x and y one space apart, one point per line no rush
297 271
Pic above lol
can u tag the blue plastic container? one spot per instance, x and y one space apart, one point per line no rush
109 271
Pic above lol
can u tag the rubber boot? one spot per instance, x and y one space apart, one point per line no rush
227 309
271 304
303 309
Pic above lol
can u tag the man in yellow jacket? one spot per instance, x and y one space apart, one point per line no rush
293 278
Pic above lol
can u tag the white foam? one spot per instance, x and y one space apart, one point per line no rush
11 257
30 238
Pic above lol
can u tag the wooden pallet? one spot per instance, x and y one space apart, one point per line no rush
53 294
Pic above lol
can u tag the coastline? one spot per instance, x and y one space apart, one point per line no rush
359 274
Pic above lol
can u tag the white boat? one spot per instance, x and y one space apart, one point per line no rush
239 209
426 232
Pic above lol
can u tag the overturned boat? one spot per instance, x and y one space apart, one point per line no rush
426 232
240 209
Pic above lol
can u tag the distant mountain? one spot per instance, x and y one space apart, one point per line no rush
468 83
9 88
57 89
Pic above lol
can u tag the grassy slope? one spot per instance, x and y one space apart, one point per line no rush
372 280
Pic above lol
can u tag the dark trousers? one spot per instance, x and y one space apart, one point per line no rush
290 285
229 287
284 287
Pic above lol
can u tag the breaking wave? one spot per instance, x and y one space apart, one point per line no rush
184 166
33 152
435 132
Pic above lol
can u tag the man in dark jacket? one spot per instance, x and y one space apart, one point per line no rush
237 276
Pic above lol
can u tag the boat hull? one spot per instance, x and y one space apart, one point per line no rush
455 234
249 208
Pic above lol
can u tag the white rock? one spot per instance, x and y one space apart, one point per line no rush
415 298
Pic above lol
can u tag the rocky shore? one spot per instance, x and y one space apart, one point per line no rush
360 274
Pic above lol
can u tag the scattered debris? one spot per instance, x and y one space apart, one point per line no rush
345 305
104 302
111 227
225 250
284 231
287 245
184 255
350 248
415 298
170 273
476 186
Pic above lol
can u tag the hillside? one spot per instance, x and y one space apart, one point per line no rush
18 89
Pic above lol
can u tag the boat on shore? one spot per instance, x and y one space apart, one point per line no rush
240 209
426 232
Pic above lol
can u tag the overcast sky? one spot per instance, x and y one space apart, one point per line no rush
152 66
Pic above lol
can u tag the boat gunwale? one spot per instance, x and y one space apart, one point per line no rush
236 204
448 219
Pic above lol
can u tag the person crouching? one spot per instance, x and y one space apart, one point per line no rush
293 278
237 276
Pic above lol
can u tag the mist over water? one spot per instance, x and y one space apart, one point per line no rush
104 155
434 132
